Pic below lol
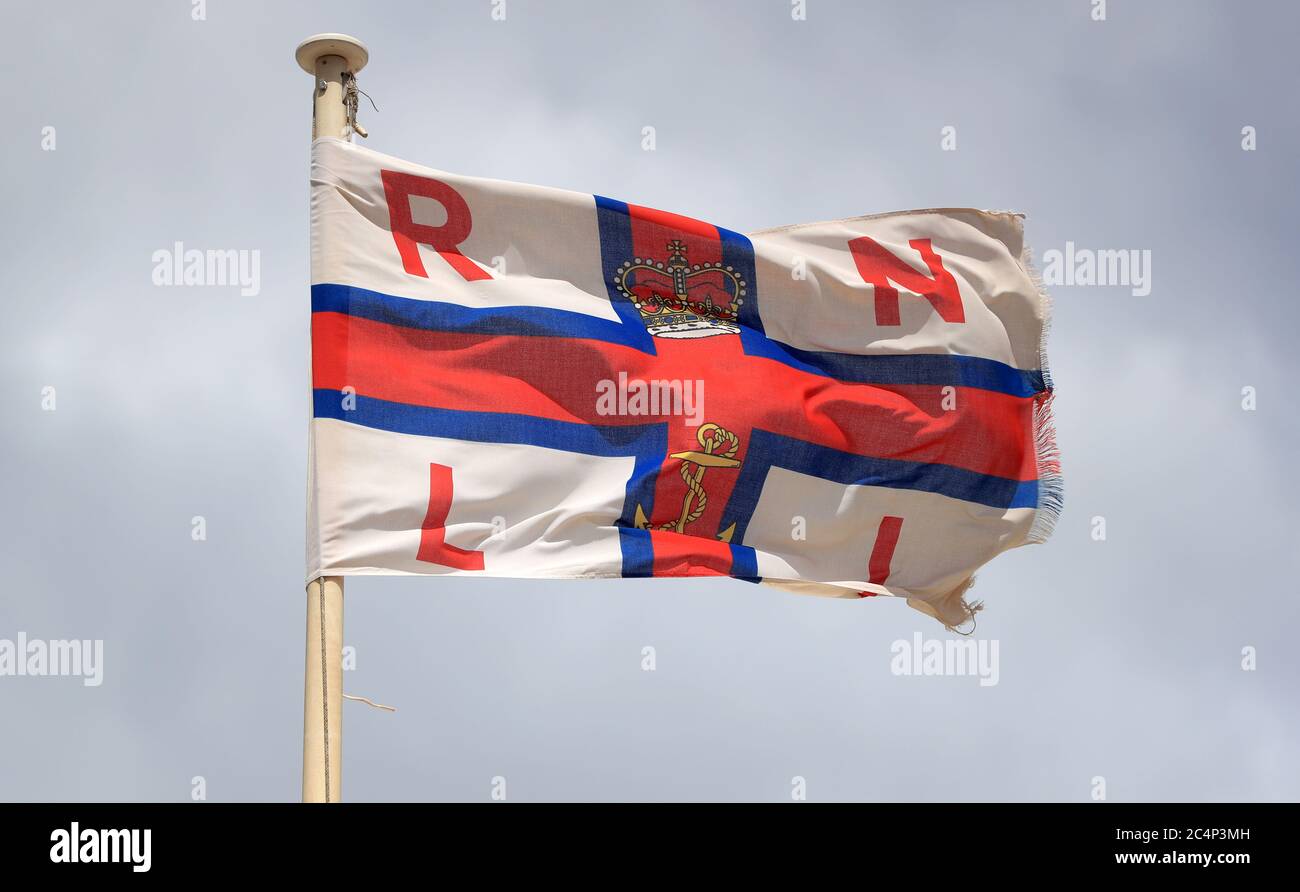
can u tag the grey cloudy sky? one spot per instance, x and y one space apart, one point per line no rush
1119 659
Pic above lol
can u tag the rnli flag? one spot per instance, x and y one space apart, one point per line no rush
518 381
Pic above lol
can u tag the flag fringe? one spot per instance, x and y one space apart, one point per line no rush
1051 483
1044 301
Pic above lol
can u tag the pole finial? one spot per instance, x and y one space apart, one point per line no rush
352 51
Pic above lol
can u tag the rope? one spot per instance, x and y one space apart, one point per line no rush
350 99
370 702
351 102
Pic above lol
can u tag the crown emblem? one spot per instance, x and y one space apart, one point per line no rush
682 300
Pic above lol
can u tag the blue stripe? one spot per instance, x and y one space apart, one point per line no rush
432 315
738 252
615 227
899 369
744 562
768 450
638 552
494 427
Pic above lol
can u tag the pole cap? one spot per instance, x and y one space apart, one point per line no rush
353 51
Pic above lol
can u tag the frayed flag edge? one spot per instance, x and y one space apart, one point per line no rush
1051 483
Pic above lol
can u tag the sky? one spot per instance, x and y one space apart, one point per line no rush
1157 663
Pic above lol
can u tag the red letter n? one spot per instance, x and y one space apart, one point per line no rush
433 532
878 267
445 239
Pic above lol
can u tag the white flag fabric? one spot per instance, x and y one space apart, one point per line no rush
518 381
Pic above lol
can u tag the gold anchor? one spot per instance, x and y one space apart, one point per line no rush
711 438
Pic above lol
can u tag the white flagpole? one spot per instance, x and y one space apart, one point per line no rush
328 58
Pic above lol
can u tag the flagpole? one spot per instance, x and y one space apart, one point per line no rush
331 59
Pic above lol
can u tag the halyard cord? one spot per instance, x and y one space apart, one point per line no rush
350 101
369 702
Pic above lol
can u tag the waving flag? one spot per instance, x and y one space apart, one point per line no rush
518 381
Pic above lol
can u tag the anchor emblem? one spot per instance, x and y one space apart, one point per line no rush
718 447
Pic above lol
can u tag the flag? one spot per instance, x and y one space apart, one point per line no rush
517 381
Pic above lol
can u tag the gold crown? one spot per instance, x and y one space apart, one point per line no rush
682 300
